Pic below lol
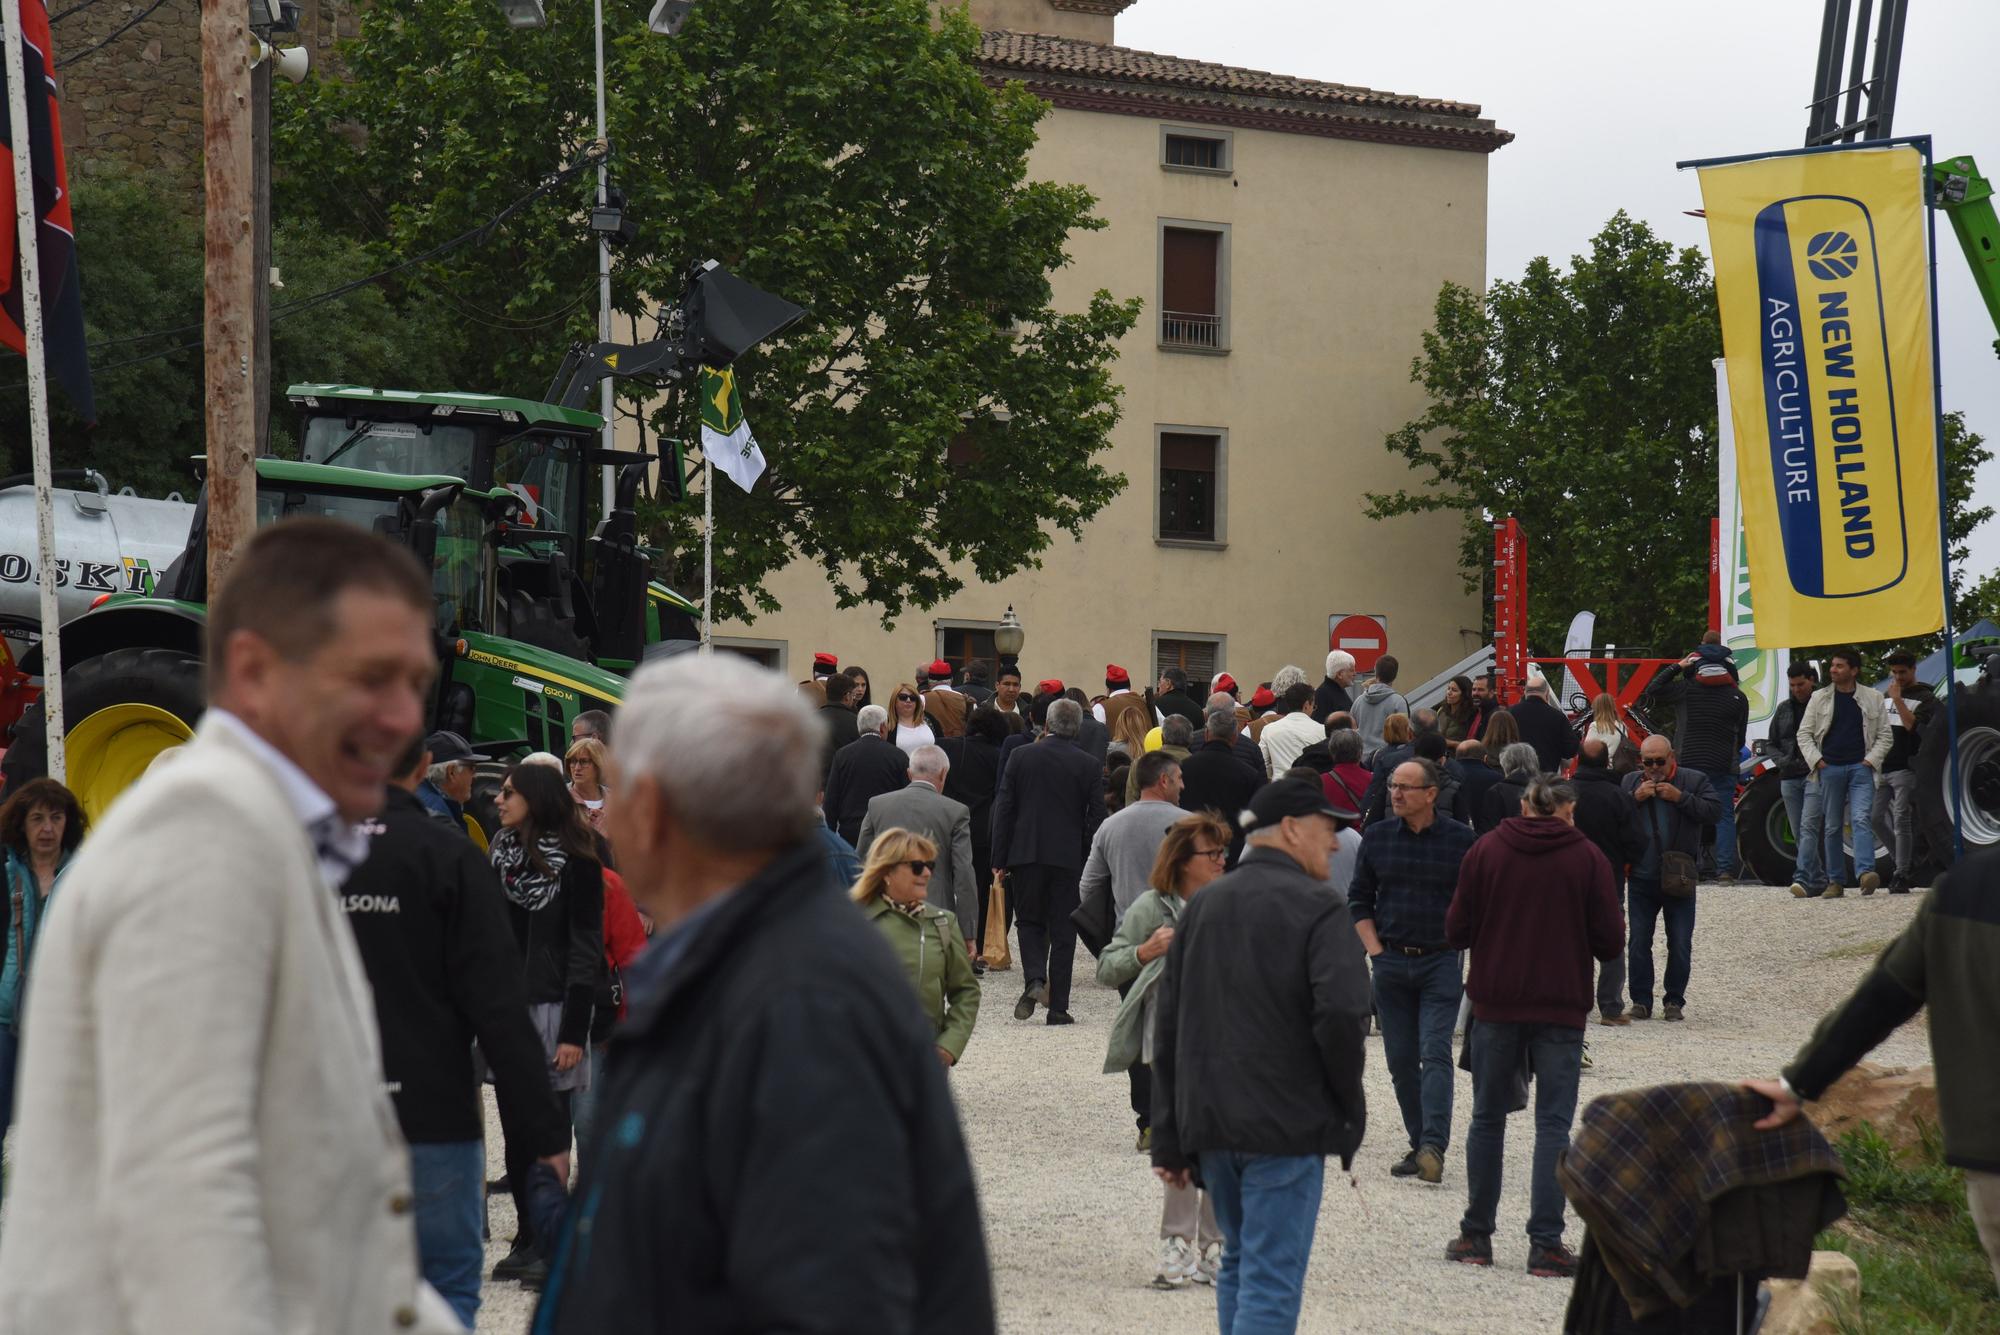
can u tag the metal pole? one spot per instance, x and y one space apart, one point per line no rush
707 553
260 262
27 224
607 396
229 278
1923 144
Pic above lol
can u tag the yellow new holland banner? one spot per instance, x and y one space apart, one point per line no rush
1821 274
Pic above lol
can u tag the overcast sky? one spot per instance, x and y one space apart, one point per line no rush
1604 98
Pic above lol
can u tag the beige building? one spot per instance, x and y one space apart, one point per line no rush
1289 238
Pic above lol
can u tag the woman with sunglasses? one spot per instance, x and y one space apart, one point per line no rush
549 869
1191 856
927 940
906 716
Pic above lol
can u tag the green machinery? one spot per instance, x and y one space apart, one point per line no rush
1966 198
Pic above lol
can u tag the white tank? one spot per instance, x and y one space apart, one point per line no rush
104 544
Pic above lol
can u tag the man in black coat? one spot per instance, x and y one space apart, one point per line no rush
863 770
1050 803
842 693
779 1150
1262 1017
1214 777
1478 774
1543 726
1091 735
1608 816
431 927
1172 697
1675 802
1711 715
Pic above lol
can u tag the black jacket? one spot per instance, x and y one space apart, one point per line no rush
1709 721
1545 728
1683 820
1608 817
840 730
862 770
1784 739
1214 778
1050 803
1922 701
1377 796
1477 779
780 1151
1329 699
561 947
431 926
974 779
1175 702
1501 801
1262 1018
1094 738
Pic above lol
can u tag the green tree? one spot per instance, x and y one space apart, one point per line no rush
847 157
1582 404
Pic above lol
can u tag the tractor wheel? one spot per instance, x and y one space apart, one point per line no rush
1978 789
1765 840
486 781
122 709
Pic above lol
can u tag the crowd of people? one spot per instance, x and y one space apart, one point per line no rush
261 997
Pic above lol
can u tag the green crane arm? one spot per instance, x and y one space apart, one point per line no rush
1967 199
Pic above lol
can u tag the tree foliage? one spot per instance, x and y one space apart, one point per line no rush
847 157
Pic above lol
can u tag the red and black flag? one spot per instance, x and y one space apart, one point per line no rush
62 291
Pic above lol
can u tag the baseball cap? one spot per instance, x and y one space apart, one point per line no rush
1287 797
448 748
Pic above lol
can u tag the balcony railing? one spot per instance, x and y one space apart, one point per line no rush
1189 329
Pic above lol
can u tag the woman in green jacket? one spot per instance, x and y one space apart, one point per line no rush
926 939
1192 856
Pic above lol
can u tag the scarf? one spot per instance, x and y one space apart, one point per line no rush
525 883
914 909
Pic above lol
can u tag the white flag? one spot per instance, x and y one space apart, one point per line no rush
725 433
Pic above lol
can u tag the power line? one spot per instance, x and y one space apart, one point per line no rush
77 8
116 33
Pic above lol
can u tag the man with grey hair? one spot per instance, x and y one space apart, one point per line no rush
830 1187
1543 726
862 771
1050 803
1333 695
1241 743
1216 777
921 808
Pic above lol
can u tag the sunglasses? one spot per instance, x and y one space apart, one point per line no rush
918 866
506 791
906 699
1657 763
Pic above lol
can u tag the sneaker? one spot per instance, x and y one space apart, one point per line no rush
979 968
1799 890
1059 1017
1834 890
1641 1012
1210 1265
1557 1262
1901 885
1470 1249
1613 1019
1672 1012
1145 1140
1024 1009
536 1274
1726 878
1177 1263
1584 1063
1405 1166
1870 882
518 1258
1430 1165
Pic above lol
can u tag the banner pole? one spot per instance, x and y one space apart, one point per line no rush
1923 145
708 552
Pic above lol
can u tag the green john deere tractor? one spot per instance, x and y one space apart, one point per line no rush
132 678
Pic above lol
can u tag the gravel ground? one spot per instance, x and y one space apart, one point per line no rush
1072 1211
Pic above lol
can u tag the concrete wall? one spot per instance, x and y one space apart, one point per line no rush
1337 251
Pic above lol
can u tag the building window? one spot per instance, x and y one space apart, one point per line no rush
1194 286
1192 499
1196 150
1198 655
764 653
963 642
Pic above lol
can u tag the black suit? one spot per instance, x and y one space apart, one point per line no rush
862 770
1547 729
1214 778
840 730
1050 803
1477 778
1173 702
1094 738
974 779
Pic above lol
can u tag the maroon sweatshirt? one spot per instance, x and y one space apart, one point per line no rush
1534 906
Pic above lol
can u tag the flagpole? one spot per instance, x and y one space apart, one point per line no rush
27 226
1923 145
709 546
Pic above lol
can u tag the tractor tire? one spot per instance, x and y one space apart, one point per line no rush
486 780
1765 840
1979 775
121 710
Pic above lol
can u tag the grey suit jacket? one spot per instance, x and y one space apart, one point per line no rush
921 809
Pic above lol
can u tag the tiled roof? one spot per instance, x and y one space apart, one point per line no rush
1096 77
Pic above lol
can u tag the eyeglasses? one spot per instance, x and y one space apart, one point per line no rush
1410 787
918 867
1655 762
506 791
1216 853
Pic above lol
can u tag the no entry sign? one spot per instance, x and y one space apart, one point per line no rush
1363 634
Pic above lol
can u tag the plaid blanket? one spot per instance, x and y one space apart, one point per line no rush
1646 1166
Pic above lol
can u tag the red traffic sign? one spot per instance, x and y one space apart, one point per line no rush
1363 634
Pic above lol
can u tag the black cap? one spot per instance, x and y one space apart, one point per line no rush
1288 797
448 748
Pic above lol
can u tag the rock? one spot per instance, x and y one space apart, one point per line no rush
1812 1306
1893 1099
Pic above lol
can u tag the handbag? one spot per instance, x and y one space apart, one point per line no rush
1095 919
995 951
1677 874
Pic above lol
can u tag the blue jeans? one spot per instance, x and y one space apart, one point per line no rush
1724 781
449 1181
1848 790
1645 905
1416 1002
1555 1055
1802 808
1267 1206
1611 972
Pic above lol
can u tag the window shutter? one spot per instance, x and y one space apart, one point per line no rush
1188 271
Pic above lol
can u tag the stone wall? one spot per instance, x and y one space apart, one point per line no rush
138 98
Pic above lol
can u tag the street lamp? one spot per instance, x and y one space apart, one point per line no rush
524 13
1008 638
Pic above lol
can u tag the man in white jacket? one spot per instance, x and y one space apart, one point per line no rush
1291 732
1844 738
204 1143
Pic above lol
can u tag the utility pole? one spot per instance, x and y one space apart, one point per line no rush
260 262
608 401
28 222
230 244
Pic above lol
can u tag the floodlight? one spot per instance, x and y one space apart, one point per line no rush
668 16
524 13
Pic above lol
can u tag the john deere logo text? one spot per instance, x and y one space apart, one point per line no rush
1828 397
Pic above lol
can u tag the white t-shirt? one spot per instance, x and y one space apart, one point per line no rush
909 739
